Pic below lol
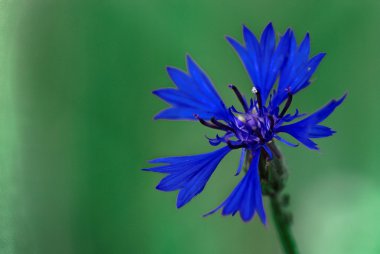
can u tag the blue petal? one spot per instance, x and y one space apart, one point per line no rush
251 41
263 61
178 98
297 69
195 94
303 76
303 51
188 174
246 198
288 117
285 141
250 60
241 161
267 43
309 127
278 60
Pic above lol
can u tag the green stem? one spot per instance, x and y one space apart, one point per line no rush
273 178
283 223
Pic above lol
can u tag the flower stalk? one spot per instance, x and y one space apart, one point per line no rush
273 174
283 222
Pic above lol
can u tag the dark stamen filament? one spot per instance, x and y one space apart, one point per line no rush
240 97
287 105
258 96
230 145
271 121
260 136
221 125
207 124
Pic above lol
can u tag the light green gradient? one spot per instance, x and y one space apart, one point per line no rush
76 126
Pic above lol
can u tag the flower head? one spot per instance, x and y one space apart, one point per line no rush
261 121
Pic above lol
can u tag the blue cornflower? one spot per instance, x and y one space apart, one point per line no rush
253 129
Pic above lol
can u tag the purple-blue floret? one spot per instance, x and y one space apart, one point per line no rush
263 118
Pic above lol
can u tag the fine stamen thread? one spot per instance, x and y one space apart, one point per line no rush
287 104
258 96
240 97
221 125
207 124
232 146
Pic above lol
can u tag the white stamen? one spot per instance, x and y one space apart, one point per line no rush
241 118
254 90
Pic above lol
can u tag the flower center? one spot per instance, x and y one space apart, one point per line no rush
251 128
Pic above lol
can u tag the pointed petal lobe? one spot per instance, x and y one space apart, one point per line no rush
309 127
188 174
246 198
195 94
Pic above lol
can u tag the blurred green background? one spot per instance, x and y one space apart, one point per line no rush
76 126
